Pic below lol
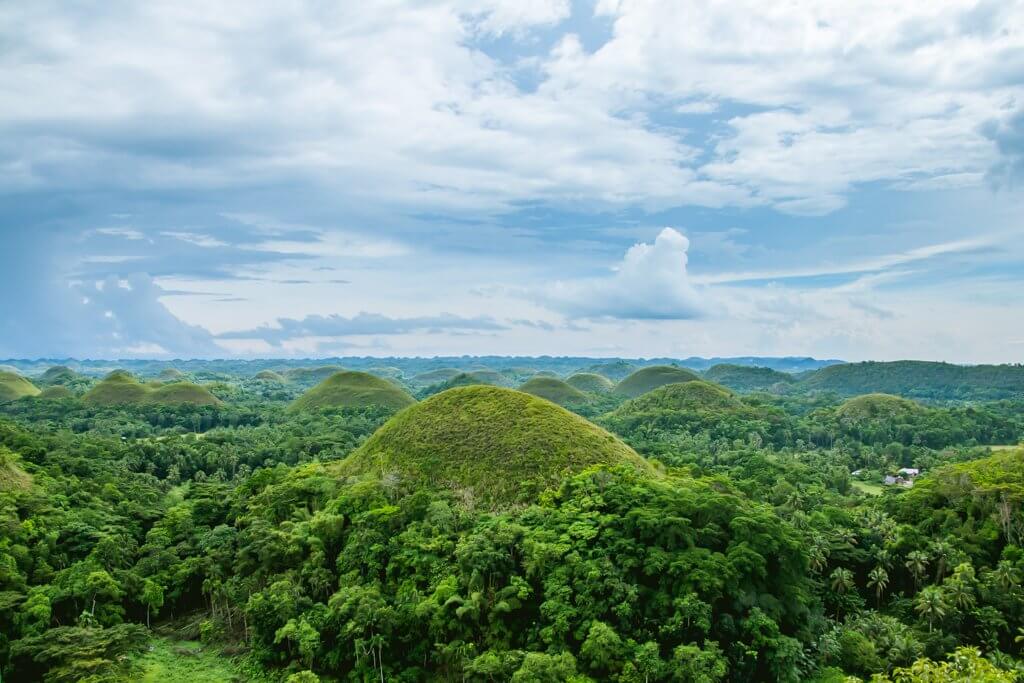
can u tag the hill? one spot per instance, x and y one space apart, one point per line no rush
435 376
59 374
120 387
270 376
469 379
12 477
590 382
171 375
920 379
13 387
554 390
647 379
350 389
877 407
747 378
57 391
496 446
613 370
311 376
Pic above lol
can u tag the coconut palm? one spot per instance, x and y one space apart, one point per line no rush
842 580
917 564
1006 576
931 604
943 553
879 579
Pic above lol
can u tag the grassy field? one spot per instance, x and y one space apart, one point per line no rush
867 487
1004 447
187 661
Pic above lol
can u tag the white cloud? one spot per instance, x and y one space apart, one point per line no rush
650 282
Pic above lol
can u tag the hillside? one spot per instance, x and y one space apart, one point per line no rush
13 387
120 387
350 389
496 446
59 374
747 378
171 375
12 477
613 370
647 379
57 391
435 376
311 376
877 407
590 382
554 390
920 379
270 376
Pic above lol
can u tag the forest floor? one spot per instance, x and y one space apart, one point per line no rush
171 660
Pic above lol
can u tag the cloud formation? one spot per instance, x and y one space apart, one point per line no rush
650 283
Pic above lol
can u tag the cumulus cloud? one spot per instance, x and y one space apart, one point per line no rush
651 282
288 329
1008 136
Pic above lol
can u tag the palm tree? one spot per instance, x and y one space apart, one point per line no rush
1006 575
917 563
879 578
931 604
842 580
960 594
943 553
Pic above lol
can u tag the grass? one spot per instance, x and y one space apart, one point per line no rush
554 390
435 376
650 378
494 446
613 370
591 383
120 387
351 389
57 391
745 377
311 376
867 487
13 387
1005 447
270 376
686 396
171 374
186 661
870 406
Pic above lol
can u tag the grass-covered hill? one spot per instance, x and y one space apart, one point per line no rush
171 375
613 370
919 379
120 387
469 379
59 374
57 391
590 382
270 376
350 389
310 376
438 376
747 378
650 378
554 390
14 386
494 446
877 407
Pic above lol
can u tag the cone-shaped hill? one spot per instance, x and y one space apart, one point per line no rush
590 382
614 370
121 387
495 446
59 374
14 386
424 379
878 407
350 389
650 378
554 390
470 379
747 377
311 376
57 391
270 376
171 375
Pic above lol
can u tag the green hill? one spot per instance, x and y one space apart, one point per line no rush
12 477
435 376
59 374
872 406
57 391
171 375
613 370
470 379
554 390
120 387
270 376
13 387
350 389
647 379
311 376
590 382
494 446
747 377
920 379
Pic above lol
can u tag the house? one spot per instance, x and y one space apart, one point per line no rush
890 480
909 471
856 473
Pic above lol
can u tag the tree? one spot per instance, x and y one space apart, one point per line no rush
965 665
917 564
842 580
931 604
879 578
152 597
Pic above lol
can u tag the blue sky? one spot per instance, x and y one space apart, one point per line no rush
438 177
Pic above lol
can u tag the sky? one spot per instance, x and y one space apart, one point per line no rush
629 178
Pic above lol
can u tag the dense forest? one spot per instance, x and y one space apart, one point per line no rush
419 521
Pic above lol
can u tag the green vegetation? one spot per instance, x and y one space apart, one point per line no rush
13 387
56 392
590 383
486 534
554 390
613 370
58 374
748 378
435 376
171 375
353 390
492 446
120 387
920 379
307 377
270 376
649 378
